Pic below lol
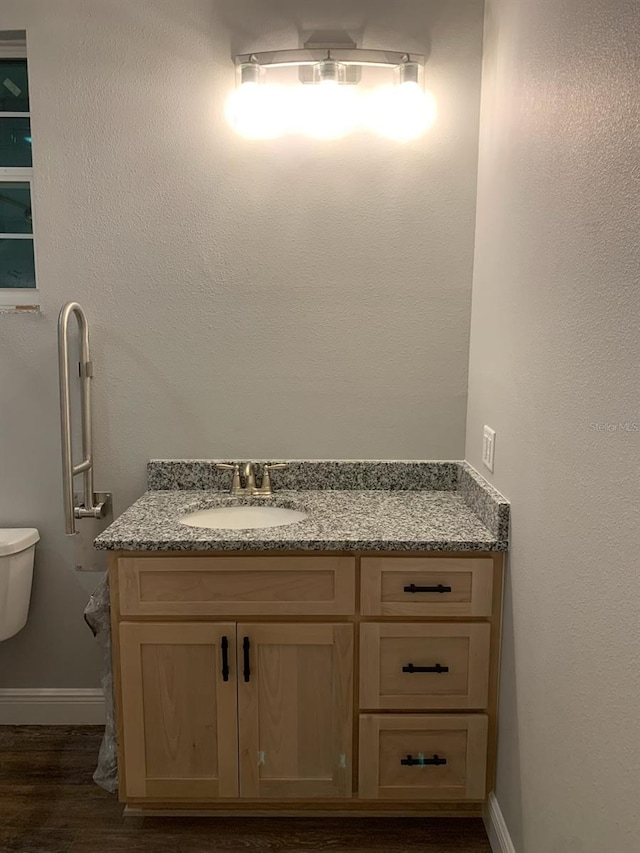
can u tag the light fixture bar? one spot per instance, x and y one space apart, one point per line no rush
346 56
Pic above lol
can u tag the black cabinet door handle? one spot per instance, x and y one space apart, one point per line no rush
439 588
410 761
437 668
225 658
246 646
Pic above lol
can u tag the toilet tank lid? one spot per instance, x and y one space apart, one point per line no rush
17 539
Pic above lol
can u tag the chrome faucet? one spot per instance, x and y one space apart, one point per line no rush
250 487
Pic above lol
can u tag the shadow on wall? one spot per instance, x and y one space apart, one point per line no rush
272 24
509 762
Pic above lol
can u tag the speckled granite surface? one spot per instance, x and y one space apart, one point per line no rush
492 508
337 520
446 507
343 475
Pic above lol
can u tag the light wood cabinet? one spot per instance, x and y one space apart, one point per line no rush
423 757
424 666
236 586
427 586
178 710
295 710
188 691
314 683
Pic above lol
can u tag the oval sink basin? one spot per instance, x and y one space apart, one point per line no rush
242 517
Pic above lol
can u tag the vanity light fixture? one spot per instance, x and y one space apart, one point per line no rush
256 109
404 111
325 101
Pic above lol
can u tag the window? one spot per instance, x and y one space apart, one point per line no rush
18 287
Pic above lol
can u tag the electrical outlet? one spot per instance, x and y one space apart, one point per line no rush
488 447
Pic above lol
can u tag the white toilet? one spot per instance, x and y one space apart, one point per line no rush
17 550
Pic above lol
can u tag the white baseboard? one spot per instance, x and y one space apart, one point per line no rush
497 831
51 706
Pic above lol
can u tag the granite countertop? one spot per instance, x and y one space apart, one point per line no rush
455 510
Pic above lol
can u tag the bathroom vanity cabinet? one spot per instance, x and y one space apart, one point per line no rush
298 683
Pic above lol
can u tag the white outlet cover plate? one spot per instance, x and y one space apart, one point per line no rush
488 447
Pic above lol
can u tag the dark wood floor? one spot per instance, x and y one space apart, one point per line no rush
49 804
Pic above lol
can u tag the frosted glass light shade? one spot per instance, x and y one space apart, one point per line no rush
258 111
326 110
402 112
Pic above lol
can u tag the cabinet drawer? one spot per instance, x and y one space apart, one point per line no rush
427 586
424 666
236 586
423 757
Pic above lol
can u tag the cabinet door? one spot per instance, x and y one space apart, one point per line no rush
179 710
295 698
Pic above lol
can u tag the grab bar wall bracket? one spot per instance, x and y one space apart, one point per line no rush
100 508
93 504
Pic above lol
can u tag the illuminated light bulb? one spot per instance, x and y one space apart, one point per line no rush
258 111
327 109
402 112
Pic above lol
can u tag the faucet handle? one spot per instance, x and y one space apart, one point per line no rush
266 472
236 486
265 489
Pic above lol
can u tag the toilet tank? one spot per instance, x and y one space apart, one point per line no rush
17 551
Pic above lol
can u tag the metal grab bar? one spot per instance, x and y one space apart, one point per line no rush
94 505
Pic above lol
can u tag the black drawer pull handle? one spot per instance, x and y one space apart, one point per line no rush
225 658
437 668
410 761
439 588
246 645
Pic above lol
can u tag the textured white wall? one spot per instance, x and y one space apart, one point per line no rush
287 298
554 349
